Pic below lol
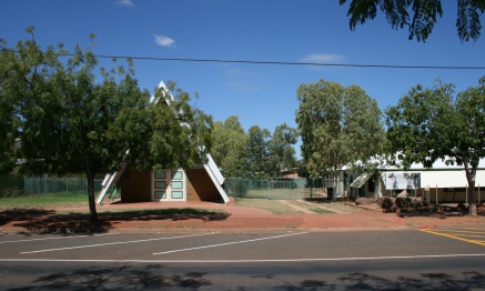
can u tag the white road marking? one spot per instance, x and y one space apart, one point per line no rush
229 243
251 261
52 238
113 243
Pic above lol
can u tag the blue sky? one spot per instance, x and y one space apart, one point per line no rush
256 30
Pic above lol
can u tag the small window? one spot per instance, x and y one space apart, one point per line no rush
160 175
160 194
177 185
177 195
177 175
160 185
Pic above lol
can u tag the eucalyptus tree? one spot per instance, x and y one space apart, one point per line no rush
229 141
338 126
363 132
257 151
70 123
419 16
9 119
432 123
281 151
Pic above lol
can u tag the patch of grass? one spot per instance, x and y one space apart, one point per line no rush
47 200
321 211
274 206
274 194
340 206
312 208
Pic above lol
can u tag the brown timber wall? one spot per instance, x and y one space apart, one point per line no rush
200 186
136 187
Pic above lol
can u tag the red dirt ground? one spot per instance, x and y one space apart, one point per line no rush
237 219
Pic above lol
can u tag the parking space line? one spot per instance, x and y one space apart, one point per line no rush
464 231
229 243
460 236
114 243
53 238
417 257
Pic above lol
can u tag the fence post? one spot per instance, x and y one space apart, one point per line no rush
267 190
25 185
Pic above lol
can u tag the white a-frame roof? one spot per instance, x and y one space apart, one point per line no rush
210 166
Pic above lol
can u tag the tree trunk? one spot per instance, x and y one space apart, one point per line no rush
92 202
472 195
334 186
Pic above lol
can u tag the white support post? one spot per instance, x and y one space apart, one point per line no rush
106 187
426 194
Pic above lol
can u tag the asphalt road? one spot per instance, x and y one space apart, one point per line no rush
330 260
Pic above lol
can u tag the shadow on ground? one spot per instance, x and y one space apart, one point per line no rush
48 221
363 281
7 216
151 277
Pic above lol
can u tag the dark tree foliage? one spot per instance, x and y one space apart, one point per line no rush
418 16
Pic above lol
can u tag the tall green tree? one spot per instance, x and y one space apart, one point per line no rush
418 16
363 133
281 151
432 123
338 126
9 119
70 123
319 121
257 151
229 141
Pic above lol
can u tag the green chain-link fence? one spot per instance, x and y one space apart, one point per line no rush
18 185
288 189
11 185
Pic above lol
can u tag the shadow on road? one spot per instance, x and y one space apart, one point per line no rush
158 277
363 281
48 221
150 277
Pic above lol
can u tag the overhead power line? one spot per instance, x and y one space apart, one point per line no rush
283 63
295 63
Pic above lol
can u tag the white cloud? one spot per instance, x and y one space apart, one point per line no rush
323 58
162 40
128 3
